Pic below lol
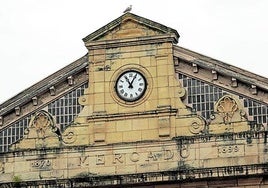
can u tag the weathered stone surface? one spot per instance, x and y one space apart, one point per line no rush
154 139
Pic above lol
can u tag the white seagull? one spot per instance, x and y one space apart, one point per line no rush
128 9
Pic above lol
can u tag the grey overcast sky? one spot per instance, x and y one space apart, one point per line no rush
39 37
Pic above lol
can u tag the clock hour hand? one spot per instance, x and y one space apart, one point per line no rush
129 84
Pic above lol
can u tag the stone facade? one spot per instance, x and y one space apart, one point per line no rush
155 140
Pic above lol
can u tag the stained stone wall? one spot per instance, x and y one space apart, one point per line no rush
159 139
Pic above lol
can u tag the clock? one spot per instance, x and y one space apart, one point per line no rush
130 86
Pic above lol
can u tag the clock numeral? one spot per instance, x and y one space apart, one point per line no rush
140 84
122 81
125 94
130 74
120 86
140 89
131 95
139 79
136 93
122 91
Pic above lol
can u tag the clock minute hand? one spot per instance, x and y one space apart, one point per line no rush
133 80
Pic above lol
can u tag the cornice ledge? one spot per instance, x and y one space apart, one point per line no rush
131 41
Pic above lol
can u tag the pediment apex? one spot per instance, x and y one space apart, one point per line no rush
117 29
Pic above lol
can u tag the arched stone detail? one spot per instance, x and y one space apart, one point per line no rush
42 122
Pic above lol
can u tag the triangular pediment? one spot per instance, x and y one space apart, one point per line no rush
130 26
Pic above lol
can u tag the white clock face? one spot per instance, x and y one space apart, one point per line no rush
130 85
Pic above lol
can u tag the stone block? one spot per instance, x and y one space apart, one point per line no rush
99 107
167 165
99 137
126 169
164 102
108 74
162 70
147 167
98 51
98 76
99 87
150 104
114 137
140 124
153 123
60 163
153 98
111 127
8 167
127 61
124 125
22 166
125 55
163 94
208 152
145 61
162 81
99 58
28 176
153 70
152 134
99 98
138 54
111 107
252 149
103 170
77 173
132 136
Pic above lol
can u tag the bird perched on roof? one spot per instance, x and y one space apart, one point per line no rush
128 9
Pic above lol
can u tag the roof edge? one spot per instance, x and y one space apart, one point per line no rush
39 87
233 71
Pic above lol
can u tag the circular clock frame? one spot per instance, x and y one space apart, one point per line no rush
131 67
131 85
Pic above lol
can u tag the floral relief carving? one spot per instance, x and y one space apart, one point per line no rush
42 121
227 106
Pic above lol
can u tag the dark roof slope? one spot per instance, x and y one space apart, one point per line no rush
224 68
42 86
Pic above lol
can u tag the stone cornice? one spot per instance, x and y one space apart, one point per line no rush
130 41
